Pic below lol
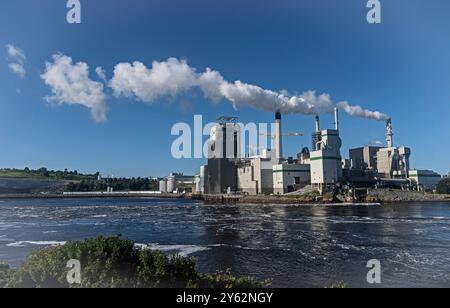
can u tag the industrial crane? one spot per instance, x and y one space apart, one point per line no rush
273 136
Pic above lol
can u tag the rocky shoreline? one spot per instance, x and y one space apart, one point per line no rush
375 197
394 196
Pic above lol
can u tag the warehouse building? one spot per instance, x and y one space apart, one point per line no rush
425 180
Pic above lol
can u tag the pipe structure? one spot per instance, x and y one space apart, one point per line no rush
336 119
389 134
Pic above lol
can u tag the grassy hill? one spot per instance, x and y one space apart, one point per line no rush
43 174
25 181
17 181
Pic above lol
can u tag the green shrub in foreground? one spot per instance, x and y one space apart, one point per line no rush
6 274
115 262
443 186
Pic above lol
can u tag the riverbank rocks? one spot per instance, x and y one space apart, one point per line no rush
391 195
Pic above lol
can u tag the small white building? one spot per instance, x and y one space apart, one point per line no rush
290 177
425 179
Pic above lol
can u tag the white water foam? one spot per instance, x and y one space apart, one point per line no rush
182 250
37 243
187 250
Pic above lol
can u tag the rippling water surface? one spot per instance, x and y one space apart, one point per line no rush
295 246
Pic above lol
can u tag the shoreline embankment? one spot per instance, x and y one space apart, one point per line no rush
373 197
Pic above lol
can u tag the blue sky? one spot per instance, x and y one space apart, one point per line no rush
401 67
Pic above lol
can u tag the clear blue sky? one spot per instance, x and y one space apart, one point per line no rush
401 67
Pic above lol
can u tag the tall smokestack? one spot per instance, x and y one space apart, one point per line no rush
317 136
278 136
317 123
336 119
389 133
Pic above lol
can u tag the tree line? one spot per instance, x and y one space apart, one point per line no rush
117 184
443 186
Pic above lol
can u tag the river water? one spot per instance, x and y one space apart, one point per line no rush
294 246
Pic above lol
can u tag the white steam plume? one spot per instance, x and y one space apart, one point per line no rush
70 84
173 76
358 111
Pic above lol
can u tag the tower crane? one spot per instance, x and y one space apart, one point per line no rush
273 136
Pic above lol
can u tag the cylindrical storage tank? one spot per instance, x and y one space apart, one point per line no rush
163 186
202 179
171 184
197 184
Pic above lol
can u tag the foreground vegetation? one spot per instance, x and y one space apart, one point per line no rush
6 274
115 262
443 186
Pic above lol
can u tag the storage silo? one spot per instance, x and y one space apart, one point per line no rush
171 184
163 186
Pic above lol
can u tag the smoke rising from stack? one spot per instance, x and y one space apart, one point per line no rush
173 77
70 84
358 111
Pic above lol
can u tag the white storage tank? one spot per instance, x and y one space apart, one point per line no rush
163 186
171 184
202 179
